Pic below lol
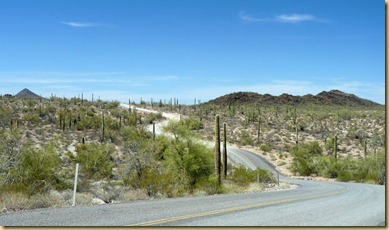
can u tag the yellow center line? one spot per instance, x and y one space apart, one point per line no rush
249 161
233 209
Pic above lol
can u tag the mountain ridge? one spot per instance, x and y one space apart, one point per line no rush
332 97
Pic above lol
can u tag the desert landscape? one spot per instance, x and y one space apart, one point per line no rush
121 161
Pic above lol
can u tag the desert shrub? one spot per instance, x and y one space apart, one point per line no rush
152 117
34 170
188 160
346 114
210 186
5 116
244 176
241 176
14 201
265 147
46 200
32 118
263 176
371 169
193 123
346 169
95 160
303 158
329 145
327 167
245 138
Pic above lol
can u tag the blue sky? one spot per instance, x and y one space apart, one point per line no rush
121 49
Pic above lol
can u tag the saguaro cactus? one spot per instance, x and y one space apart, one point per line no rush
60 119
217 149
103 130
259 129
153 131
225 150
70 120
364 148
336 147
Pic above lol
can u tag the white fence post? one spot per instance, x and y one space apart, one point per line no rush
75 186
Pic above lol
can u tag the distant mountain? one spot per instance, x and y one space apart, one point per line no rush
26 93
333 97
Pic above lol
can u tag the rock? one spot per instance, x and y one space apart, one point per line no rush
97 201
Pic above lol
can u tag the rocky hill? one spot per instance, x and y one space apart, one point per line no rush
333 97
26 93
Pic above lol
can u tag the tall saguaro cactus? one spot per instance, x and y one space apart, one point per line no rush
336 147
103 130
217 149
225 150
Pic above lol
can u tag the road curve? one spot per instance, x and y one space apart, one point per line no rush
313 203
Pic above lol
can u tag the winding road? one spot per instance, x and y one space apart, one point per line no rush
313 203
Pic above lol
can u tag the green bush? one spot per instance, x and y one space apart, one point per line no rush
34 171
210 186
188 160
243 176
303 158
95 160
245 138
265 147
193 123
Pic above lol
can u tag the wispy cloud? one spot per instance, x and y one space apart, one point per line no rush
283 18
85 24
52 78
249 18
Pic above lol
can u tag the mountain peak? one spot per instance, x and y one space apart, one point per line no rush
26 93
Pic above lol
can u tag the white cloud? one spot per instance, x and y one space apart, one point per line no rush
249 18
283 18
84 24
294 18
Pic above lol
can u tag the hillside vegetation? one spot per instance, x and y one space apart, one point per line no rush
297 134
41 140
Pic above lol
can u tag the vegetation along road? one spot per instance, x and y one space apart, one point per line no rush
313 203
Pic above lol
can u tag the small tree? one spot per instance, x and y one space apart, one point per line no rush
34 170
188 160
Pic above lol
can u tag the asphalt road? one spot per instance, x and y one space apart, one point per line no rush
313 203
